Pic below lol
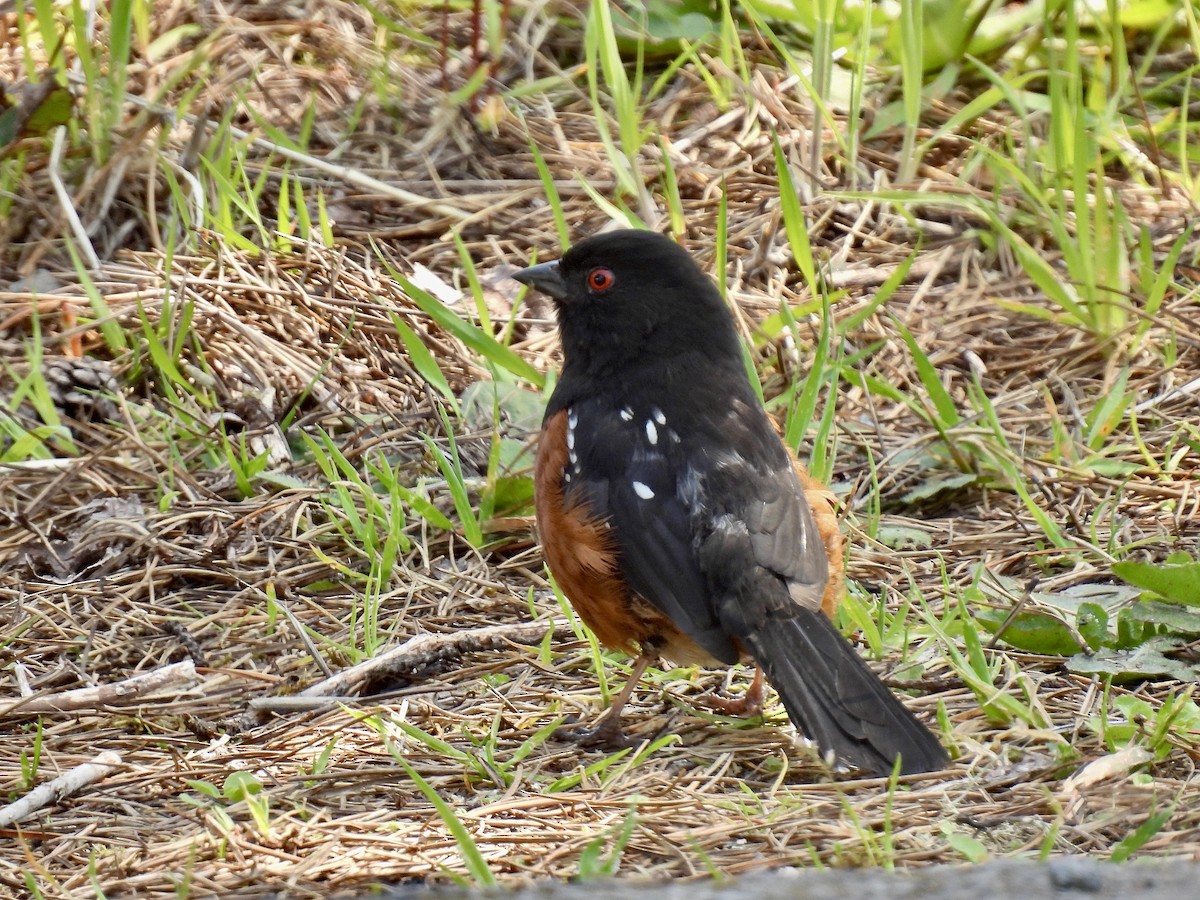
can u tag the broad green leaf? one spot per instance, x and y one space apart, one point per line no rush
54 110
1131 631
1178 584
1139 663
939 484
904 537
1030 630
241 785
1092 623
1177 619
972 849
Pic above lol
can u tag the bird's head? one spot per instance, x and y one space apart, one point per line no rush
626 295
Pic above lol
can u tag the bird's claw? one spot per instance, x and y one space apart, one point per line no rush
607 735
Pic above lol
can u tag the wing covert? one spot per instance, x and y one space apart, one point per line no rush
708 515
626 467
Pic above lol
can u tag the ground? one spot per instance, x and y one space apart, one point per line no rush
269 405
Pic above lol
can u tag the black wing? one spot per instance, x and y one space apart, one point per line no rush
714 530
697 503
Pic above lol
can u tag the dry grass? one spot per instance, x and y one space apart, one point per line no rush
139 549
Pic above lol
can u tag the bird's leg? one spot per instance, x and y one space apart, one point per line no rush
607 732
748 705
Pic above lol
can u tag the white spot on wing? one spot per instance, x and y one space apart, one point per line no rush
572 419
651 432
659 416
643 491
626 414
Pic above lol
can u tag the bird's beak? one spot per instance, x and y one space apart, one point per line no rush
546 278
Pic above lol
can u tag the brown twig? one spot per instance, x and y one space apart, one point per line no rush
118 693
416 653
71 782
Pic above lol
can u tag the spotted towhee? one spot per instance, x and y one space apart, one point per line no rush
671 513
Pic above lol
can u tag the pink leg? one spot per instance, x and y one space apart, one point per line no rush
748 705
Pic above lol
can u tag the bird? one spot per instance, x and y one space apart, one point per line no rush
675 519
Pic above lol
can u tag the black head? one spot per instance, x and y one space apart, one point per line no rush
626 297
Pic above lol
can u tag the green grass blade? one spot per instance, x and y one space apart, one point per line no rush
424 361
794 222
552 197
471 335
943 403
476 865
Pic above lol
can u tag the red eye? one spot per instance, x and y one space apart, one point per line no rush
600 280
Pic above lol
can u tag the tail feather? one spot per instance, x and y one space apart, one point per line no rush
836 701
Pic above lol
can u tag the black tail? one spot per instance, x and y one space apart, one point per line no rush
835 700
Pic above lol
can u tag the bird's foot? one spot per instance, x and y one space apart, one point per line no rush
738 707
606 735
748 705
